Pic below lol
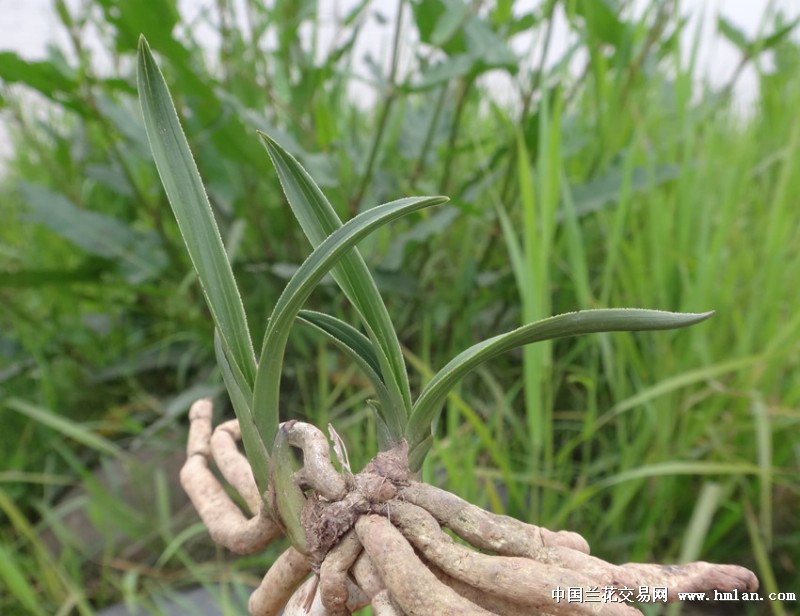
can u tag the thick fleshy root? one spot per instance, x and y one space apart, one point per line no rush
376 538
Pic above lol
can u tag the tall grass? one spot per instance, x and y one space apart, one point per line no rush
627 184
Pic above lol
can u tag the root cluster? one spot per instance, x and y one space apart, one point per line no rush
377 538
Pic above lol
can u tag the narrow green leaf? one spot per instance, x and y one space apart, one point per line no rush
17 584
668 469
428 405
267 387
359 349
734 35
385 437
241 397
191 207
674 383
289 498
340 331
318 220
70 429
768 42
696 533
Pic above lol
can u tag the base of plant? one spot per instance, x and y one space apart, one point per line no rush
376 537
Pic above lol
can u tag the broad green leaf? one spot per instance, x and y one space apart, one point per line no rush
318 220
359 349
241 395
289 498
157 22
428 405
189 202
432 19
267 387
45 77
603 21
450 23
138 255
605 190
446 70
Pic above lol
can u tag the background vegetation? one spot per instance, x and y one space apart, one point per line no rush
621 183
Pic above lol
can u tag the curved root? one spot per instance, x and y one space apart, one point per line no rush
519 580
333 574
232 463
278 585
376 538
382 605
226 523
489 531
416 589
317 472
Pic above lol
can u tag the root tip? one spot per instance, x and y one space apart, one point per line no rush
201 409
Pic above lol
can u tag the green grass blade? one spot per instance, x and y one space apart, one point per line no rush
428 405
191 207
16 583
708 501
241 396
267 387
70 429
679 381
360 350
669 469
318 220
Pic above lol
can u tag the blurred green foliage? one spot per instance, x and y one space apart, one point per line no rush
620 183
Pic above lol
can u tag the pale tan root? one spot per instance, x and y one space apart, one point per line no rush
317 472
411 584
383 605
492 603
367 577
356 597
233 464
691 577
489 531
516 579
333 574
401 561
226 523
279 584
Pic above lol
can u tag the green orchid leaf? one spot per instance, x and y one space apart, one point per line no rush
345 333
267 386
318 220
428 405
191 207
360 350
289 498
385 438
241 395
